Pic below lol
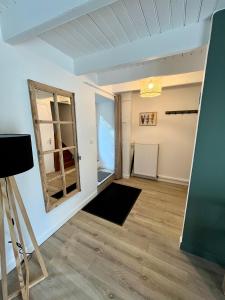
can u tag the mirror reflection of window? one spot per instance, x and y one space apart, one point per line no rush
55 128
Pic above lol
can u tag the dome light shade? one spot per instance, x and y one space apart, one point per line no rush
150 88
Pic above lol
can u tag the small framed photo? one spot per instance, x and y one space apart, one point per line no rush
148 119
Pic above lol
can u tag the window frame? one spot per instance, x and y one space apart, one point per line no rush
50 202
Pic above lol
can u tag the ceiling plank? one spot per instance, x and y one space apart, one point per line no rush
110 26
220 4
164 14
87 34
208 6
55 39
31 18
121 13
7 3
177 13
70 33
135 12
149 10
87 22
193 10
161 45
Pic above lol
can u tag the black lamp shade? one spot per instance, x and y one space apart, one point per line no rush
15 154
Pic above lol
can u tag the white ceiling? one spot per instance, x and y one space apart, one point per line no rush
166 81
126 21
5 4
187 62
114 39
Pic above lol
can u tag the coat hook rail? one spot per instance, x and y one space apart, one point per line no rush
181 112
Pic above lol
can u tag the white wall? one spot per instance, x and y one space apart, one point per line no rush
17 64
106 132
126 132
174 133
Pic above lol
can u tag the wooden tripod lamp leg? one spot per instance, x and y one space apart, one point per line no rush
18 197
9 198
15 248
2 249
20 235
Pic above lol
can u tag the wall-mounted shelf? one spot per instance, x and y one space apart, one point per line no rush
181 112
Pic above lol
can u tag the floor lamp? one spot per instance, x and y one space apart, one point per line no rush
16 157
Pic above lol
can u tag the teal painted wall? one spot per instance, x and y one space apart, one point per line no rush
204 228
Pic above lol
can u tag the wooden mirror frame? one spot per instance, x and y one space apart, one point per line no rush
51 202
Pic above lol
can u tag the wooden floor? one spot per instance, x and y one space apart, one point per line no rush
90 258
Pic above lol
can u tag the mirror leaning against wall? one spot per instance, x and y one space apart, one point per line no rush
54 121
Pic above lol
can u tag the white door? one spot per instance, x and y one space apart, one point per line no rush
47 134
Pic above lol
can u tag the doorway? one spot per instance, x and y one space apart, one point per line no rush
105 123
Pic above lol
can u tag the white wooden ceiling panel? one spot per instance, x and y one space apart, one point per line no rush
151 15
177 13
121 13
73 34
56 40
208 6
124 22
192 11
87 35
220 4
2 7
71 40
94 30
135 11
110 25
164 14
4 4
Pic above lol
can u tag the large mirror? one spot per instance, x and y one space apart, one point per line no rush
55 129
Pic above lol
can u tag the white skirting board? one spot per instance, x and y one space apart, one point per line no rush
175 180
146 160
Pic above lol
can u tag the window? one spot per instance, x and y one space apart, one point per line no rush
55 130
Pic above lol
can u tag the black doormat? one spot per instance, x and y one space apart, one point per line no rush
114 203
69 189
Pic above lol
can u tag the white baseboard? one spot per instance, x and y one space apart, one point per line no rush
168 179
41 239
127 176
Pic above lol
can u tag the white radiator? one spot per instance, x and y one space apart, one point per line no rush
146 160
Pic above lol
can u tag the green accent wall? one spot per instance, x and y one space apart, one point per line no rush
204 228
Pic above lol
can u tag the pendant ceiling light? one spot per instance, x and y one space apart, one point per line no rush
150 87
